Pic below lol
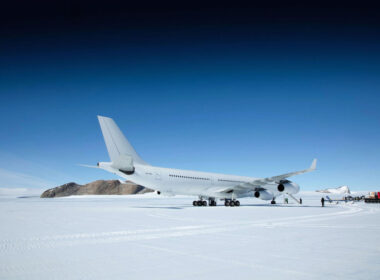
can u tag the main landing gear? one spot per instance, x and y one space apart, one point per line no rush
273 201
231 202
211 201
201 202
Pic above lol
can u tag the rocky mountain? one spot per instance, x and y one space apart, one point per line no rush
99 187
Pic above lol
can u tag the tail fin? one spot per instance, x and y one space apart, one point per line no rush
116 142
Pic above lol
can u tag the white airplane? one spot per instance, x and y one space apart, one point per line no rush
208 187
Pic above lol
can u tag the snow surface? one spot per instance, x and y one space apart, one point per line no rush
20 192
155 237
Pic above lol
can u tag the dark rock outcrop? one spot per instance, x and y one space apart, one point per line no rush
100 187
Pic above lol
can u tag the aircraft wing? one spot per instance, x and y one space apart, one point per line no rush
278 178
259 184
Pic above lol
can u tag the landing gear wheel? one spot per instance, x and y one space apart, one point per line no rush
273 202
211 202
194 203
232 203
237 203
199 203
204 203
226 203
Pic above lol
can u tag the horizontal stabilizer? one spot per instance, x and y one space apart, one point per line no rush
90 166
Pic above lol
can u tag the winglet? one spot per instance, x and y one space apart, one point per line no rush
313 165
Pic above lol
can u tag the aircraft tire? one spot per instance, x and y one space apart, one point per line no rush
194 203
237 203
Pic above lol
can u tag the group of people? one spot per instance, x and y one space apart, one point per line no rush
286 200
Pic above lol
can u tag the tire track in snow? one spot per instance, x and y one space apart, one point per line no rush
228 262
158 233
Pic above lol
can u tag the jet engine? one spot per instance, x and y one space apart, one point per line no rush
288 187
264 195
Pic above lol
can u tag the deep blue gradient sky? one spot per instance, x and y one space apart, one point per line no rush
192 90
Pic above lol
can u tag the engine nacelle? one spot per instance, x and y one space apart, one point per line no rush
264 195
288 187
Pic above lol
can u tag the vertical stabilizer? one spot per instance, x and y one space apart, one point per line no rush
117 144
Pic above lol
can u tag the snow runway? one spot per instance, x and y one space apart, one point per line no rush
143 237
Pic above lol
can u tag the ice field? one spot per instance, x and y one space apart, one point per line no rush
155 237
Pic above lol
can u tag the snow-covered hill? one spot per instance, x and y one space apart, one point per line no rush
339 190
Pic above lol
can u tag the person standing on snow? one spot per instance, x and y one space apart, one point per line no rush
323 202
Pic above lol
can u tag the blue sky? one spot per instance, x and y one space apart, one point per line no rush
244 102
